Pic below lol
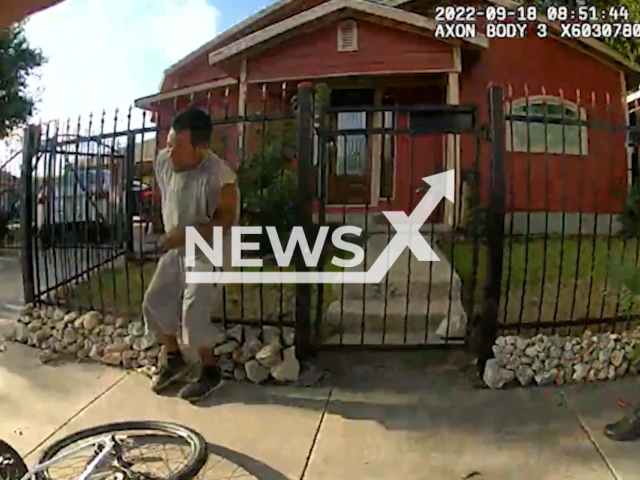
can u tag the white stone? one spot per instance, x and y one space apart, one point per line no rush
235 333
69 336
112 358
122 322
118 345
546 378
255 372
58 314
226 348
289 369
20 333
136 329
269 356
239 374
580 371
91 320
495 376
96 353
617 357
78 323
47 356
35 326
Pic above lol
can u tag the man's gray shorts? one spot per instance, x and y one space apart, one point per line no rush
173 307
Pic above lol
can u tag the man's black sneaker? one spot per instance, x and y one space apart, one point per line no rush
209 380
626 429
172 371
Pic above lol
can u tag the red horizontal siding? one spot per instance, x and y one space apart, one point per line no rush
380 49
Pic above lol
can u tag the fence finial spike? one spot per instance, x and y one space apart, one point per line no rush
543 90
561 93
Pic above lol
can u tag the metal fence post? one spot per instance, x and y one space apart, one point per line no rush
495 229
27 218
304 214
129 165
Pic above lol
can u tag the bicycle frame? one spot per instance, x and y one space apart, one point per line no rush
109 444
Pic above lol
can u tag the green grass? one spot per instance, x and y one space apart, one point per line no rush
556 280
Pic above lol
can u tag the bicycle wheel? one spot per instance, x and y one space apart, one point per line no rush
140 434
12 466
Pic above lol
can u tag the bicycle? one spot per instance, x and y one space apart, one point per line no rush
108 458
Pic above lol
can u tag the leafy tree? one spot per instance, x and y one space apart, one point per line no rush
18 62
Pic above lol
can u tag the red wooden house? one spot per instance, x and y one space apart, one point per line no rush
385 52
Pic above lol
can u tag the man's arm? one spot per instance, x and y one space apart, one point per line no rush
224 217
225 213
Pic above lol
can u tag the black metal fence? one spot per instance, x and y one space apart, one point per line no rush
542 237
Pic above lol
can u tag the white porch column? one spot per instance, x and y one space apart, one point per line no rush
452 155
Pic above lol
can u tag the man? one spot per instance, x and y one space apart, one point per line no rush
196 190
14 11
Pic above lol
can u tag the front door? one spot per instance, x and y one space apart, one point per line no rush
349 155
419 154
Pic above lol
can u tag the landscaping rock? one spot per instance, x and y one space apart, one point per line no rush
122 322
225 348
91 320
235 333
289 369
269 356
256 372
495 376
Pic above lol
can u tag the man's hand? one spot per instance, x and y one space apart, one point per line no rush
172 240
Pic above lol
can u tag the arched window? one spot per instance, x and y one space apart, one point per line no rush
554 138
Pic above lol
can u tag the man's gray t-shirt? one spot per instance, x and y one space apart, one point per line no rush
191 197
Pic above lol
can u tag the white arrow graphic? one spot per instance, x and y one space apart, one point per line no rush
407 236
408 231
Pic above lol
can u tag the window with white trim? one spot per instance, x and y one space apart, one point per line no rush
540 137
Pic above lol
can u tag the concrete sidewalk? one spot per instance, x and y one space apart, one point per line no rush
385 416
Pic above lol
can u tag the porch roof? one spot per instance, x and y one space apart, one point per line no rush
372 9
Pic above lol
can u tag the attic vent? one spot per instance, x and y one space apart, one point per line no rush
348 36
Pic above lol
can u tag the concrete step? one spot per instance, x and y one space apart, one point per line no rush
395 317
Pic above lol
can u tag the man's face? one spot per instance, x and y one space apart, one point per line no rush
183 154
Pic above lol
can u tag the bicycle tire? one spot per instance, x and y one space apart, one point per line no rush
18 462
198 444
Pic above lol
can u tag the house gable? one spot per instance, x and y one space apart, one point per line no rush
406 20
379 49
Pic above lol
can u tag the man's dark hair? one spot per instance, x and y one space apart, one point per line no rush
197 121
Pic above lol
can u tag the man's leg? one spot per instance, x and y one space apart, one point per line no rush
162 308
197 331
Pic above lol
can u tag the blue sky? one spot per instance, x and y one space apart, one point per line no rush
104 54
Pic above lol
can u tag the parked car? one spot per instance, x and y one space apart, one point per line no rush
80 205
142 199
